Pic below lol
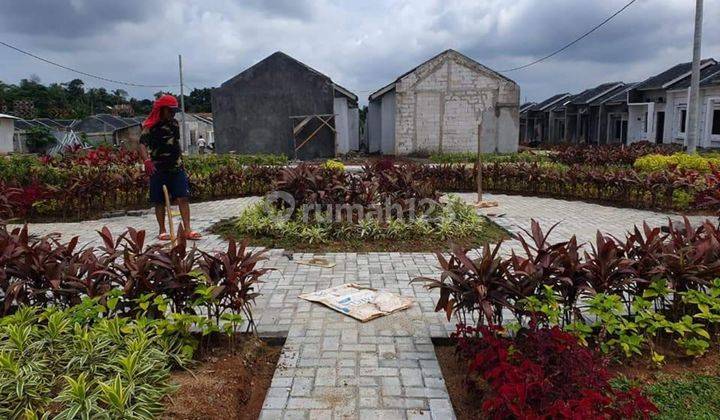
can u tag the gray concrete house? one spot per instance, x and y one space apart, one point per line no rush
612 115
437 106
281 105
537 119
582 117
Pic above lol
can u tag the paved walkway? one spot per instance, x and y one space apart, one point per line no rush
335 367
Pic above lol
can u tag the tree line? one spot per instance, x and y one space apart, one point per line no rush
72 100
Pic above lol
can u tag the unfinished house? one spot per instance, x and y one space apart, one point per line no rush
582 119
613 115
438 106
106 128
281 105
523 120
709 118
538 120
647 104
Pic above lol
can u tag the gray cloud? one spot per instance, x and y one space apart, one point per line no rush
361 45
71 18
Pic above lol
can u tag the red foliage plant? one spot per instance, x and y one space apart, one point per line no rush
543 373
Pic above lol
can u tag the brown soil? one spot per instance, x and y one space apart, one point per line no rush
227 382
466 405
645 372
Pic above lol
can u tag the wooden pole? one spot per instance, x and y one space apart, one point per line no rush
479 164
168 208
480 203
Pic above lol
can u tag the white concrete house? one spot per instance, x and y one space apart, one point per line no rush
648 104
7 131
438 105
709 122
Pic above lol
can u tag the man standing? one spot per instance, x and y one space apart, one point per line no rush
162 157
201 144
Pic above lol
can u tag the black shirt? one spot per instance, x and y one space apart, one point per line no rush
163 143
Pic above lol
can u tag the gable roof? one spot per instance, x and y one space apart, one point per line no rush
601 99
390 86
705 73
282 55
670 76
527 105
547 103
589 95
615 96
711 80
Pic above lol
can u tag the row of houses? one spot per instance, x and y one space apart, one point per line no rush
281 105
94 129
654 110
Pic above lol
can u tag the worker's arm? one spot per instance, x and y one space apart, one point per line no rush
144 155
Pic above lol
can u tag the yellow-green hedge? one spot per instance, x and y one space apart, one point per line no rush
679 160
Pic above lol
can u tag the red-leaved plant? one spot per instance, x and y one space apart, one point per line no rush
542 373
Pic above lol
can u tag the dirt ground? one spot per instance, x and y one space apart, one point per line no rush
228 382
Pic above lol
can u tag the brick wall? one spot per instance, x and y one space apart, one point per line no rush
439 107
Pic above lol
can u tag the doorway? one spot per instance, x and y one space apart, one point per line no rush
660 127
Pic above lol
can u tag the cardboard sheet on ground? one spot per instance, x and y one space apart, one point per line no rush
361 303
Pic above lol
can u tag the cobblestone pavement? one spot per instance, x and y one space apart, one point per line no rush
576 218
335 367
203 215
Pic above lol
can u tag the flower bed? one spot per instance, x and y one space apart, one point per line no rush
84 184
328 209
95 332
651 298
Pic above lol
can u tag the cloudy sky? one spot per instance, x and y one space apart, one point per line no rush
362 45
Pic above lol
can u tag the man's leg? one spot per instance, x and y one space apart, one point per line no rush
184 206
160 216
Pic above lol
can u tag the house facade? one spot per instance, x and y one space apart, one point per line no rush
7 131
545 121
583 114
648 105
709 118
438 106
281 105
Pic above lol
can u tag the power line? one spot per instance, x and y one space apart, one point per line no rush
566 46
119 82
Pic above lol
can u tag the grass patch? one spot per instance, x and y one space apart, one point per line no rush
691 396
454 222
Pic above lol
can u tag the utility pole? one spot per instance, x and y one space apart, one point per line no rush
185 143
694 100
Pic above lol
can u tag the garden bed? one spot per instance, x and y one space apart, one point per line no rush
489 232
229 380
686 388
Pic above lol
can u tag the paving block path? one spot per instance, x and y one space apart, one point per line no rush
335 367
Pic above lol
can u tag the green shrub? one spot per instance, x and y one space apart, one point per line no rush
470 157
73 364
683 161
334 165
452 220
